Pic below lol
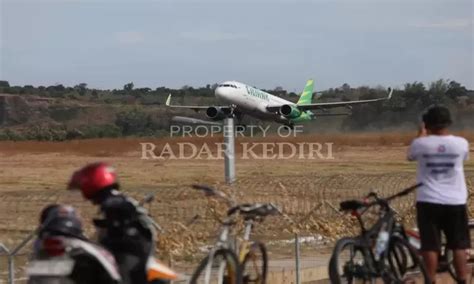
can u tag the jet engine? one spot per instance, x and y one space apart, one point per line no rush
217 113
290 111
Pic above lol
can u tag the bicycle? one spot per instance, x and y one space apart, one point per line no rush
247 264
393 259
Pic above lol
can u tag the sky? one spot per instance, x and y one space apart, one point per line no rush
264 43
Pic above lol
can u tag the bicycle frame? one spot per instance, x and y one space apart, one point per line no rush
367 238
222 242
244 247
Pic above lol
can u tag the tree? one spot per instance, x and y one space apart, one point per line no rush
346 87
144 90
415 92
81 88
59 88
438 87
4 84
455 90
132 122
437 92
128 87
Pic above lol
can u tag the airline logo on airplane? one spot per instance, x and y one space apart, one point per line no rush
257 93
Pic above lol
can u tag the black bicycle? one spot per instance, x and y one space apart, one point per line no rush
379 252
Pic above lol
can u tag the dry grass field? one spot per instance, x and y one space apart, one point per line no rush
34 174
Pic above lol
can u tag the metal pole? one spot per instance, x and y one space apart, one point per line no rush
11 269
10 264
24 242
297 256
229 141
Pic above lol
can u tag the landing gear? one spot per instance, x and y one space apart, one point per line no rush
240 128
290 126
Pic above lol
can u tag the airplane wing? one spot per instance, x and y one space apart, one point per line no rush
333 104
195 108
193 121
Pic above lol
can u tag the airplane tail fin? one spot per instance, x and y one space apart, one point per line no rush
307 94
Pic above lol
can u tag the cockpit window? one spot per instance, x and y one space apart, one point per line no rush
227 85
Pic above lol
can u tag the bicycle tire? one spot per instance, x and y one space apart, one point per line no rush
411 263
262 270
232 265
349 270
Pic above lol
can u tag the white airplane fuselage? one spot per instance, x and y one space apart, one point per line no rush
249 100
240 99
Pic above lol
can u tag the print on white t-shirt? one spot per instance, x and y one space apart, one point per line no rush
440 168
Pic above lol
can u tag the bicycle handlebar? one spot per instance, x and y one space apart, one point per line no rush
356 204
256 209
404 192
396 195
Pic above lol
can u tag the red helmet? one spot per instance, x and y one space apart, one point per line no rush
93 179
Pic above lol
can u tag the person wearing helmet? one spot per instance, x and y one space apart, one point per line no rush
125 229
62 254
63 220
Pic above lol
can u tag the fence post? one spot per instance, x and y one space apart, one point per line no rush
297 257
11 269
170 264
13 253
4 249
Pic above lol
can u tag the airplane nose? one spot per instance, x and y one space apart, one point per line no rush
219 92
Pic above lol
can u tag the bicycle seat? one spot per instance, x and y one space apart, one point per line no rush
351 205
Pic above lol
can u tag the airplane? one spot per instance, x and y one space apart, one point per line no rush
240 99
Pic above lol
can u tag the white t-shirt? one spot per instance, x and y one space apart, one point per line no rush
440 168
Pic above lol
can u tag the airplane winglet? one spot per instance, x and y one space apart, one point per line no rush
390 92
168 100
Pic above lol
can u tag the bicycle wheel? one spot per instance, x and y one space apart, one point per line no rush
255 265
404 262
348 263
220 267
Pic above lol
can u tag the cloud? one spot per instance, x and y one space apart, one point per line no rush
447 24
129 37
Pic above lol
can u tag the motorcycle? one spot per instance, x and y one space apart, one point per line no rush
66 260
131 238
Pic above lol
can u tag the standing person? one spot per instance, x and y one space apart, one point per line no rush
441 200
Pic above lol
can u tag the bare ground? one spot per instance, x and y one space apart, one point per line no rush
34 174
